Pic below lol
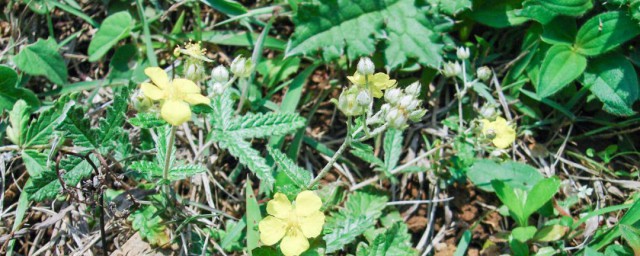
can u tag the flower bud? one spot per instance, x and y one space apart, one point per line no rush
396 118
393 96
347 103
417 115
487 111
220 74
194 70
140 102
365 66
483 73
217 88
364 98
451 69
385 108
415 103
413 89
241 67
463 53
405 101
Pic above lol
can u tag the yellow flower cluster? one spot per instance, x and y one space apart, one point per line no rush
293 224
174 96
499 131
377 82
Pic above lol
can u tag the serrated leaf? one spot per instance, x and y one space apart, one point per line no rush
35 162
111 125
365 152
149 224
295 175
394 241
392 148
164 132
47 184
545 10
264 125
560 67
41 129
146 120
78 128
185 171
42 58
222 106
361 212
148 170
411 35
247 156
614 81
113 29
605 32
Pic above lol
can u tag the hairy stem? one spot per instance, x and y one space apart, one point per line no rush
167 159
343 147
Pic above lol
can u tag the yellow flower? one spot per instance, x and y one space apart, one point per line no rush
193 50
175 96
499 131
294 224
377 82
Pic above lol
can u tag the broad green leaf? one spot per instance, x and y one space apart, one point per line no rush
540 194
41 129
113 29
560 30
618 250
523 234
47 184
253 217
392 146
452 7
35 162
149 225
361 212
394 241
614 81
605 32
550 233
517 175
247 156
514 200
411 35
146 170
497 14
560 67
545 10
18 120
632 236
588 251
265 125
124 62
9 93
78 128
43 59
111 126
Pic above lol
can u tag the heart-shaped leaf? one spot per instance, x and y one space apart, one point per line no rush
113 29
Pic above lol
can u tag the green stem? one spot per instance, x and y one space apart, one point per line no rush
167 159
50 25
343 147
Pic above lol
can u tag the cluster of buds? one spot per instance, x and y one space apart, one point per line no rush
220 79
358 98
194 63
402 106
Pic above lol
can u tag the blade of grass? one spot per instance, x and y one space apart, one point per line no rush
153 60
253 216
21 210
75 12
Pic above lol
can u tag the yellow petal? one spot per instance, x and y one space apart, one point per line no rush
152 91
196 98
487 126
157 76
279 206
307 203
271 229
356 79
505 134
294 243
175 112
185 86
311 225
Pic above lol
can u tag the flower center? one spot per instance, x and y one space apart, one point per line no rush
491 134
293 226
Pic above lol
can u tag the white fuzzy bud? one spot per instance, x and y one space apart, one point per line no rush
385 108
451 69
488 111
405 101
463 53
413 89
241 67
220 74
483 73
364 98
365 66
347 103
415 103
393 96
396 118
194 70
217 88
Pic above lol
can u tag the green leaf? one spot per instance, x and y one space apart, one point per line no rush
632 236
78 128
253 216
513 199
239 38
524 234
247 156
560 30
614 81
41 129
452 7
149 224
42 58
231 239
35 162
365 152
560 67
618 250
146 120
147 170
392 146
550 233
517 175
394 241
605 32
295 175
545 10
498 14
18 119
228 7
9 93
540 194
411 35
47 184
463 245
111 126
185 171
361 212
113 29
222 111
265 125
